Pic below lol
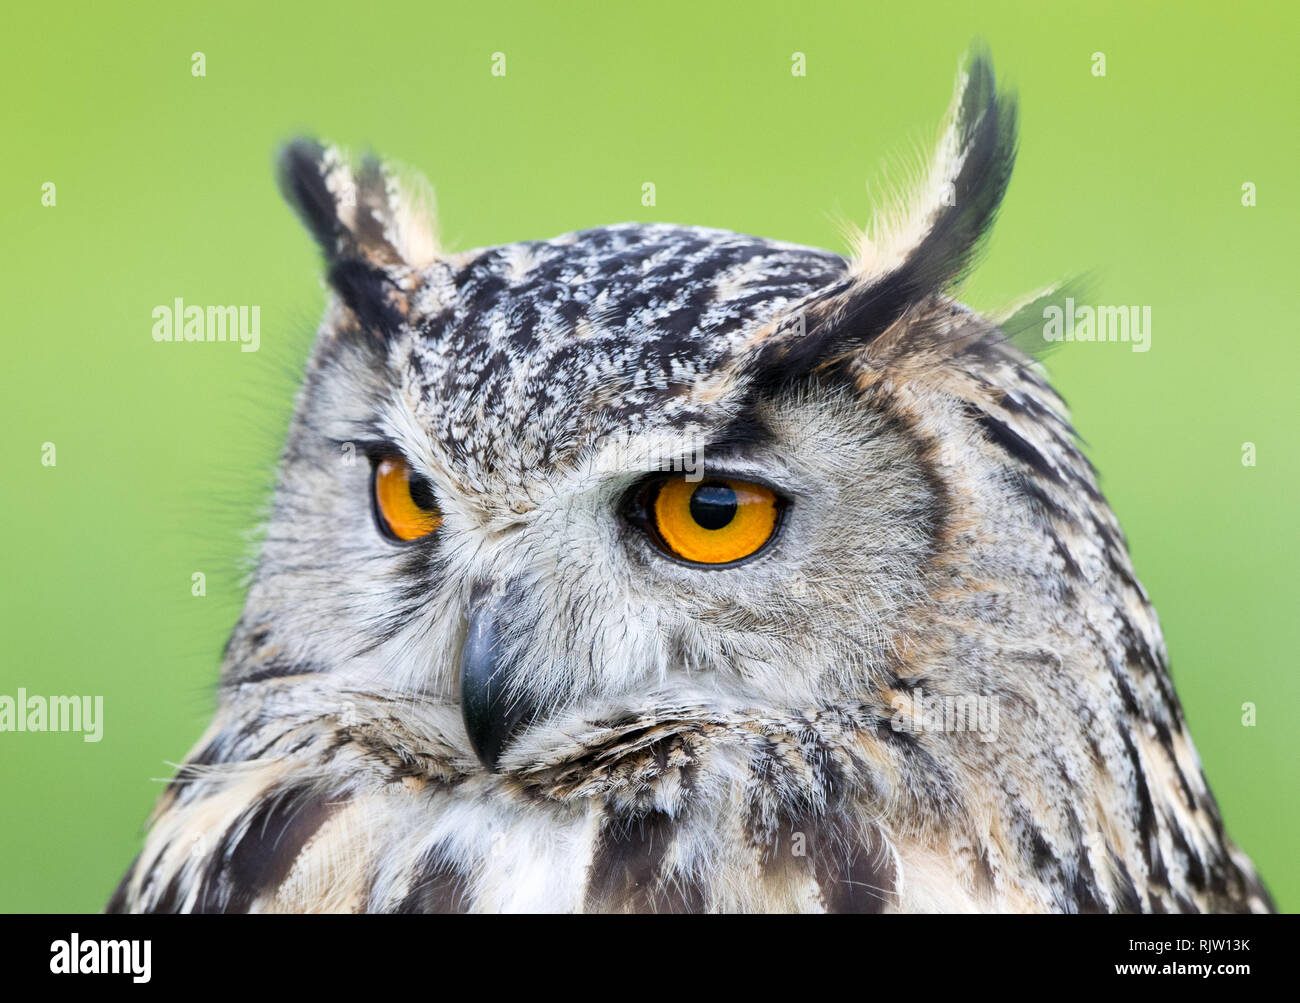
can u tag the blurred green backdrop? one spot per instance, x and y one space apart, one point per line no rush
164 190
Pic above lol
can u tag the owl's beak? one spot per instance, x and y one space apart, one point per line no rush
491 714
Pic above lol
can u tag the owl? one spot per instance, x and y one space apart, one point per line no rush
656 568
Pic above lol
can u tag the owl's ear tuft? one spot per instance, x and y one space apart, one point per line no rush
929 241
374 225
921 251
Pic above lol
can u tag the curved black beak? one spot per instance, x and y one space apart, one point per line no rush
491 714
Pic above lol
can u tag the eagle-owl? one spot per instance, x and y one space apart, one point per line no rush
662 568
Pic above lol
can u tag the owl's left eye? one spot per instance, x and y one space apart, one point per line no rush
712 522
405 508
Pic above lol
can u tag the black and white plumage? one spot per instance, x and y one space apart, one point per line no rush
535 706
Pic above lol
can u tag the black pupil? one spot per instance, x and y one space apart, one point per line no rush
713 505
422 492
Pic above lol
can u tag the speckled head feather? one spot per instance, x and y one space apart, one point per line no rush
932 682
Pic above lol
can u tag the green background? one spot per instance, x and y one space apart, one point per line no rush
164 189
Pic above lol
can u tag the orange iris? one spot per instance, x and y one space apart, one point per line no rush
404 503
714 521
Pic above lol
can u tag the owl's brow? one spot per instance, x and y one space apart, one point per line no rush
397 426
381 436
745 430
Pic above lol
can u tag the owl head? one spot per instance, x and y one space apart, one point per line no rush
641 466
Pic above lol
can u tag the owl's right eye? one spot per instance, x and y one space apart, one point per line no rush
713 523
404 505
